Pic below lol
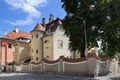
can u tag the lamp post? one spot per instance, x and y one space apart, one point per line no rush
84 24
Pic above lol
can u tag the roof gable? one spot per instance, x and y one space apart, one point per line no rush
52 26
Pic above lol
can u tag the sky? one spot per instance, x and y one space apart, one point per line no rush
25 14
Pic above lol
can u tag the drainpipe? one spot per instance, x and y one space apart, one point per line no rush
5 57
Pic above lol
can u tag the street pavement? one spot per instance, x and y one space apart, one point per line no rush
49 76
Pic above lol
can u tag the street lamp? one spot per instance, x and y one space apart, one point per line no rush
84 24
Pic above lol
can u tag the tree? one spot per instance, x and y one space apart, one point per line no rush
111 29
104 18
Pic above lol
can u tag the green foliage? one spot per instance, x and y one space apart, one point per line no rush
105 17
101 53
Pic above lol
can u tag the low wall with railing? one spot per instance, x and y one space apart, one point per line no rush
92 65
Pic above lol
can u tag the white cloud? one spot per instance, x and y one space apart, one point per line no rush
29 7
22 22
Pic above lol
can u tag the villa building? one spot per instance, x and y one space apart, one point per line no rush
44 41
6 47
48 41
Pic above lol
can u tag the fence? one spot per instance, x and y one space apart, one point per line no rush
93 65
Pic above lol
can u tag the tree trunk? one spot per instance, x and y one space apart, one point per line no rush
82 53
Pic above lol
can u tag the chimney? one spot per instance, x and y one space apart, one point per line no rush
51 18
5 32
16 29
43 22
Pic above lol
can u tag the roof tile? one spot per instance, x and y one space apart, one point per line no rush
39 27
13 35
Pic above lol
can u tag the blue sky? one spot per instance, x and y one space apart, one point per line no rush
27 13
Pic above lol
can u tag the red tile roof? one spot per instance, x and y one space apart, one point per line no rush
39 27
13 35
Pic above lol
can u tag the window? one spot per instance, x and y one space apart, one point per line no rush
60 44
36 58
36 51
46 42
62 33
36 35
9 46
49 30
15 49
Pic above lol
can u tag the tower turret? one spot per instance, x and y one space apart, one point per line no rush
36 43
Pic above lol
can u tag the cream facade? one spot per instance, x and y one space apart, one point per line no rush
56 44
47 41
36 45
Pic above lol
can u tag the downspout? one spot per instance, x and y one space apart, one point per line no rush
5 56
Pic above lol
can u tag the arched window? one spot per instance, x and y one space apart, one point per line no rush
36 58
36 35
46 41
36 51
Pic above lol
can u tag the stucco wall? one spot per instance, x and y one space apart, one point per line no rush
91 66
80 67
61 51
36 44
7 54
51 67
48 47
22 51
36 68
